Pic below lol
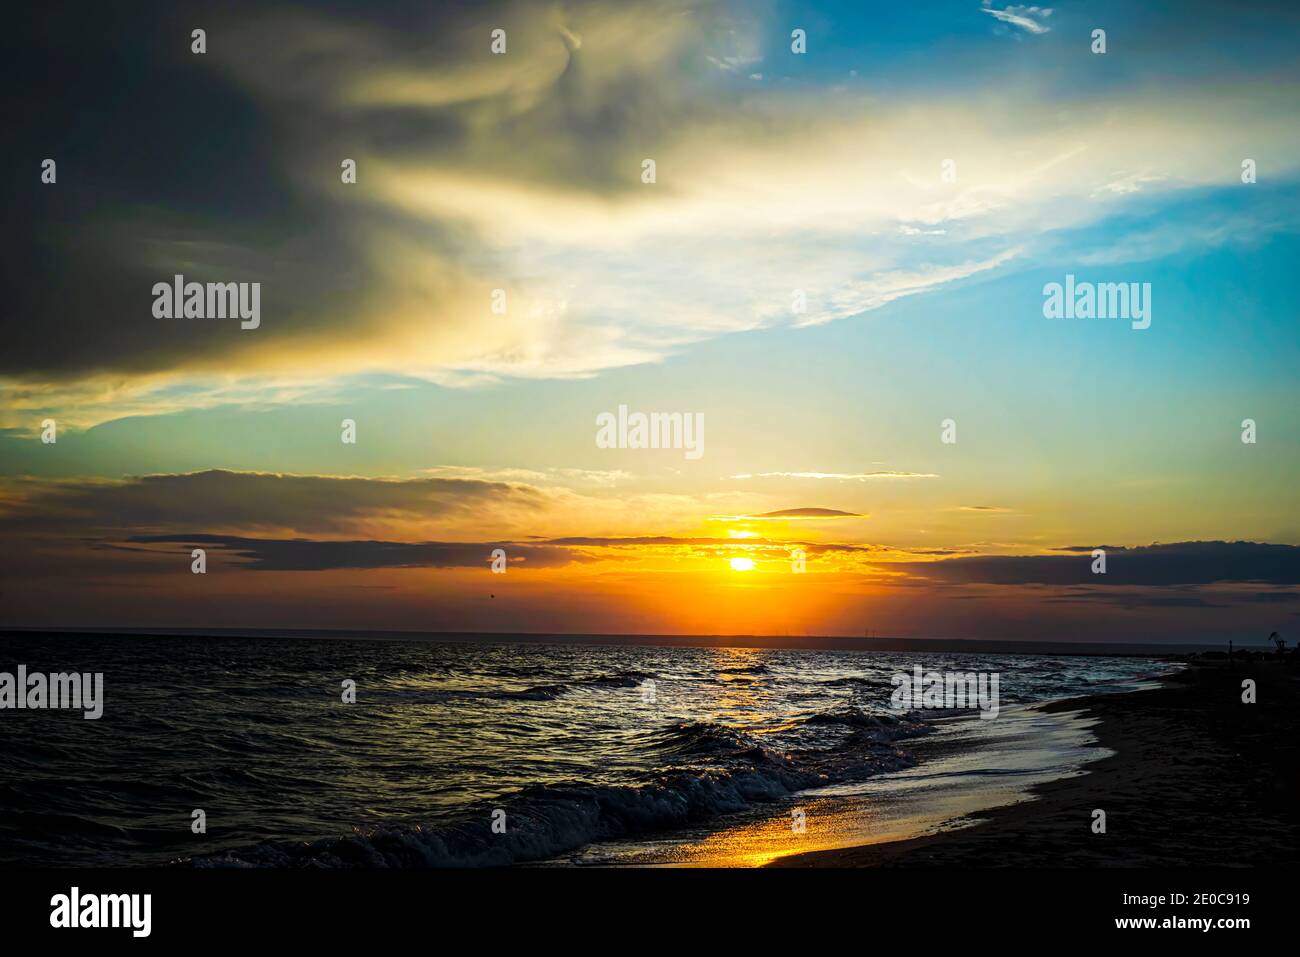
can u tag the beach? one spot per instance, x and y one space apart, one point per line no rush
1196 778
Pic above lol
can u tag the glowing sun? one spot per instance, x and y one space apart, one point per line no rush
742 564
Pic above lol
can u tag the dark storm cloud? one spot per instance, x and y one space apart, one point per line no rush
757 547
1134 600
160 162
1271 597
307 555
301 554
243 500
669 540
1182 563
225 166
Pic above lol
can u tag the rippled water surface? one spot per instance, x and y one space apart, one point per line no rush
579 745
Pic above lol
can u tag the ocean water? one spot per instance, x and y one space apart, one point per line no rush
565 740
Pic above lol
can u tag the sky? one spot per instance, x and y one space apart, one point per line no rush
839 268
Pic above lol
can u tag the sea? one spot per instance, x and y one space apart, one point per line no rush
369 753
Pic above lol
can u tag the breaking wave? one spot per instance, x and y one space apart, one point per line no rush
707 770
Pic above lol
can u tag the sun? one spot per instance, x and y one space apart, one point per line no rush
742 564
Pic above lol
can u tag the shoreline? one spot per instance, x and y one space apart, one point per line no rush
1195 778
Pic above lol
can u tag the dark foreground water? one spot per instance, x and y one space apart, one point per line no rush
571 747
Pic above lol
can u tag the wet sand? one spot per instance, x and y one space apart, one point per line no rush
1197 778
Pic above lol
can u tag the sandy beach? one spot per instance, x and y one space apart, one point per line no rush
1197 778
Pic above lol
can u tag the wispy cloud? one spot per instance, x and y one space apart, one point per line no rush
524 174
1029 19
863 295
795 514
839 476
601 478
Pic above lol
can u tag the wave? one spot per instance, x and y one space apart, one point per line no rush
739 670
621 679
543 821
854 681
538 693
542 692
886 726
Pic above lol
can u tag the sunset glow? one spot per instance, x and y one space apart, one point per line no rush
814 344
